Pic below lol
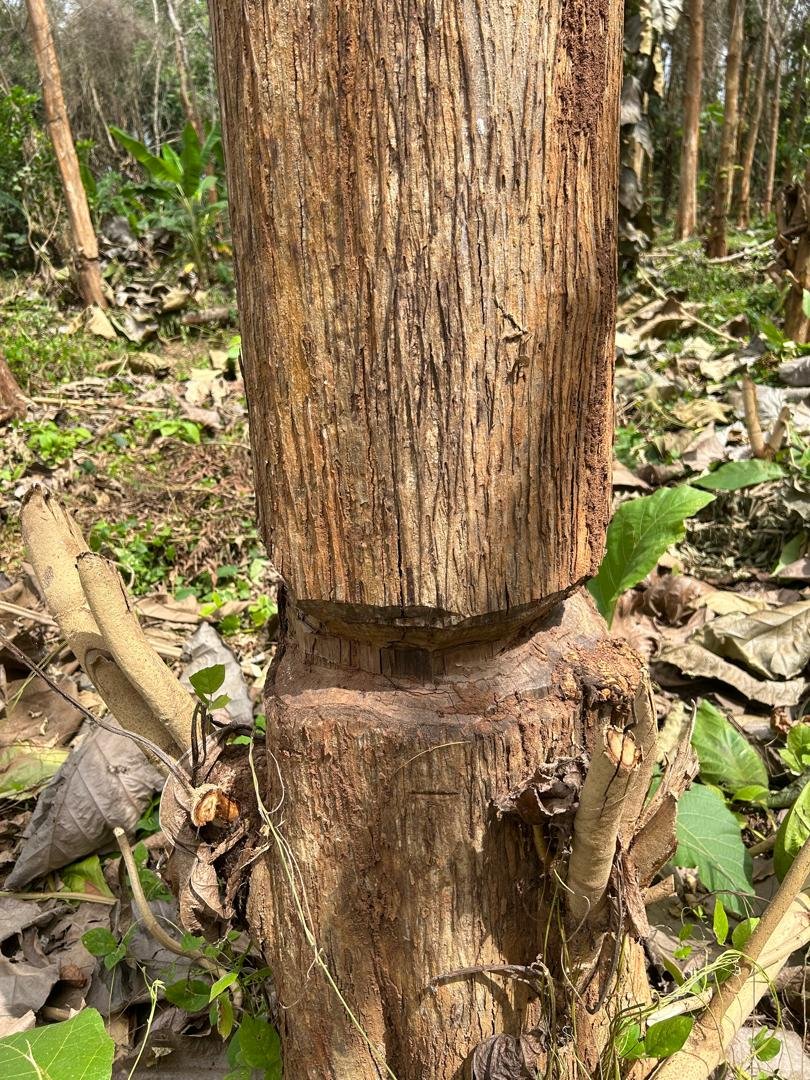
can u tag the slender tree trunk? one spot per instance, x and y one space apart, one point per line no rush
426 255
686 219
716 241
188 98
752 135
773 134
83 237
797 324
796 113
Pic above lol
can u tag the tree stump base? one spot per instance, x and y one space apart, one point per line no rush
385 769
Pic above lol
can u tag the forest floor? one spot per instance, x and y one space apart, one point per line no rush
147 446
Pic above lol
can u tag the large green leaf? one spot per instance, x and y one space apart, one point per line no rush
158 169
709 839
78 1049
793 833
727 759
639 534
739 474
191 159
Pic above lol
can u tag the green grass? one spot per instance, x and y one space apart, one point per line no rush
39 351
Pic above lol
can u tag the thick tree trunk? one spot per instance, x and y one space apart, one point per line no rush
716 240
686 219
83 237
752 134
423 204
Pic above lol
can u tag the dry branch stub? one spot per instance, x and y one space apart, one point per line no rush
54 543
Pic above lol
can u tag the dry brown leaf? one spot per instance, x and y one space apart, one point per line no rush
696 660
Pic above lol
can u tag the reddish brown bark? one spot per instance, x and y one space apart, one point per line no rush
426 253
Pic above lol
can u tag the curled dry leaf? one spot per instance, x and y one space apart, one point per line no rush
773 643
106 782
696 660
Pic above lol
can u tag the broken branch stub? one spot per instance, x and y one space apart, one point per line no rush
169 702
54 541
614 770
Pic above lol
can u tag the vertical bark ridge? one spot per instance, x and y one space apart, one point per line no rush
426 224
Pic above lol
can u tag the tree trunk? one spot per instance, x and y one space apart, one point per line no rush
797 324
686 219
716 241
773 137
83 237
187 96
792 140
13 403
752 135
426 255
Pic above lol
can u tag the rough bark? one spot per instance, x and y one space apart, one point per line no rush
13 403
426 249
391 783
686 219
773 133
796 255
752 134
423 204
83 237
797 107
723 184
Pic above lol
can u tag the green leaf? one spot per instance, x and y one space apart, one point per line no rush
709 839
155 166
764 1044
85 876
24 768
78 1049
208 680
751 793
639 534
665 1039
225 1017
735 475
790 553
188 994
792 834
806 303
114 958
720 922
797 754
726 757
99 942
222 984
742 932
259 1045
191 160
628 1043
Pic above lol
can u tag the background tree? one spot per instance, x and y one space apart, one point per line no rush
84 244
752 132
724 176
686 218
